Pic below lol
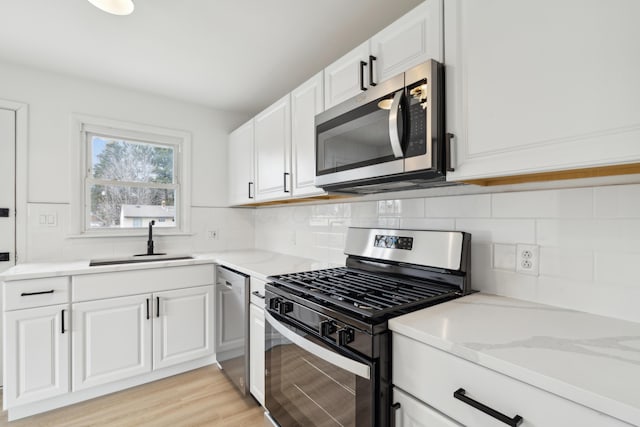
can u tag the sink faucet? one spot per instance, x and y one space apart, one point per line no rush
150 241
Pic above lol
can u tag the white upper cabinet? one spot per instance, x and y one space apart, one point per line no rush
541 86
347 76
273 151
241 163
306 101
411 40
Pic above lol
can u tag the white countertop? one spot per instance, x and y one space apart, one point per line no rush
589 359
255 263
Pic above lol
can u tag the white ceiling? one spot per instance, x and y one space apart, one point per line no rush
237 55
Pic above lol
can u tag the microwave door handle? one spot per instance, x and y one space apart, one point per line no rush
396 146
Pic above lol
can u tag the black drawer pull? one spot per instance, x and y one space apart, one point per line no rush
147 308
371 59
62 329
28 294
394 409
257 293
158 306
362 65
513 422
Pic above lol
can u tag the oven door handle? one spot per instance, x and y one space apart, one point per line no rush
396 145
356 368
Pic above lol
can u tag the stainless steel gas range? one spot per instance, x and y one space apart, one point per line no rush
328 348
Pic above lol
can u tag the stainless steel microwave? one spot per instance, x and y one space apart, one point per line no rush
389 137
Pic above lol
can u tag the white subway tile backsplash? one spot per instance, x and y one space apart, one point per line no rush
574 203
616 267
428 223
499 230
617 201
364 209
573 264
472 206
609 234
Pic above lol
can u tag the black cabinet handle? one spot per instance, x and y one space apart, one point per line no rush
62 323
147 308
27 294
371 59
257 293
362 65
250 184
447 151
286 174
158 306
513 422
394 409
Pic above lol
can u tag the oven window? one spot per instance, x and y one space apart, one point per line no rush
355 139
305 390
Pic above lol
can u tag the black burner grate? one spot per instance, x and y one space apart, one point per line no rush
365 293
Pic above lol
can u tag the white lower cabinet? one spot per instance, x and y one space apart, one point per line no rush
183 324
256 352
111 340
433 376
410 412
37 365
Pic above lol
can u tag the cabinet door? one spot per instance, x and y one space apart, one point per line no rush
241 162
37 367
273 151
183 326
306 101
409 41
111 340
256 352
409 412
343 79
541 86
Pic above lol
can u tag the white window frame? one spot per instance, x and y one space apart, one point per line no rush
84 126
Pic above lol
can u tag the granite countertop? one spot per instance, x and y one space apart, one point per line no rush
256 263
589 359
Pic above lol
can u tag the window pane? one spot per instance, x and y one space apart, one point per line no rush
131 207
121 160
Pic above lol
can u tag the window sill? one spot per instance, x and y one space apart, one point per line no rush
142 233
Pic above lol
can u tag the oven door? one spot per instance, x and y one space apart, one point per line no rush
308 383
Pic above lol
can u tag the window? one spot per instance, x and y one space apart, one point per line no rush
131 175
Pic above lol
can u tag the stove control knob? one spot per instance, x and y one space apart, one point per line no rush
326 328
345 336
285 307
274 304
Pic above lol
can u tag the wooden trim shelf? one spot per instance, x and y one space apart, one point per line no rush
594 172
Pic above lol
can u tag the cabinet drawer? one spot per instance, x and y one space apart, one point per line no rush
35 292
257 292
121 283
409 412
433 376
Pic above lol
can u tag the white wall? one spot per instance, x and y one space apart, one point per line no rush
589 239
52 98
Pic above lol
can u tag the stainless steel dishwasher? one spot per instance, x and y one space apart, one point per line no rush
232 326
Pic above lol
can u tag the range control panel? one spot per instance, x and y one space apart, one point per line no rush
393 242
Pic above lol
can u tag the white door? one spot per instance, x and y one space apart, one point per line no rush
111 340
273 151
182 325
256 352
411 40
541 86
410 412
7 199
242 187
38 365
347 76
306 101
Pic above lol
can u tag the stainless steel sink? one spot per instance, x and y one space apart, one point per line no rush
137 259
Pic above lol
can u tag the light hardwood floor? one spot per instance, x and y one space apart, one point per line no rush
204 397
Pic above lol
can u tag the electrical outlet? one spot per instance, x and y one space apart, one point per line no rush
528 259
213 234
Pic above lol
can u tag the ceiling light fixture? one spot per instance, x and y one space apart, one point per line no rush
116 7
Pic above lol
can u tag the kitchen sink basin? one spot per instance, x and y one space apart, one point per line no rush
137 259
